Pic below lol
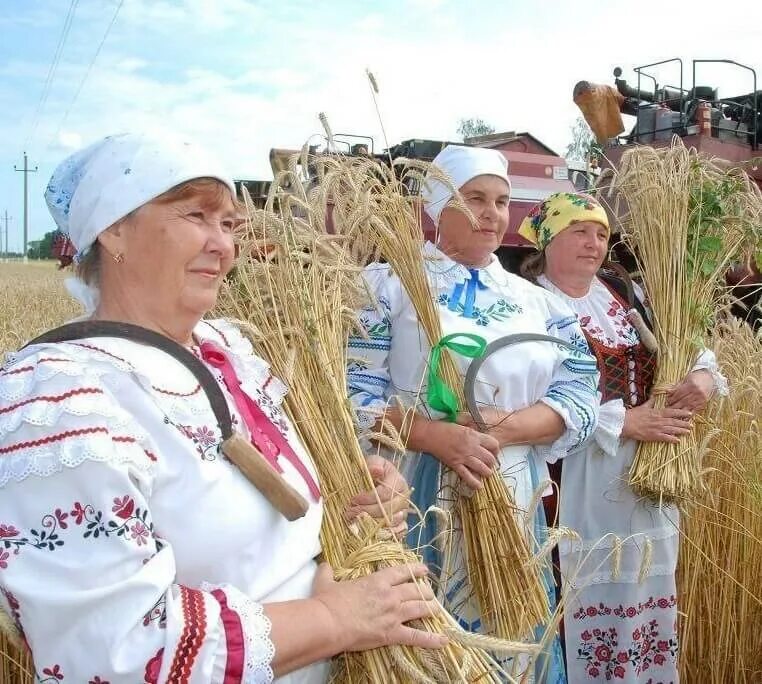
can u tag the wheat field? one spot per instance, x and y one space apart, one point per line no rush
32 299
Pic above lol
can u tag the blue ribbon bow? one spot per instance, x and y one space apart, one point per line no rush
470 286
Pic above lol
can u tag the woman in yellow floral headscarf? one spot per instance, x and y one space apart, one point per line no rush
619 580
557 213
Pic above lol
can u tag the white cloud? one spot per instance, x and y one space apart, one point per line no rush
370 23
211 15
70 140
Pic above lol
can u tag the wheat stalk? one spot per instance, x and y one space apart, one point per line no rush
301 300
721 535
687 219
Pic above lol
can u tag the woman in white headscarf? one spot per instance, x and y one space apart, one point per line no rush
540 399
131 549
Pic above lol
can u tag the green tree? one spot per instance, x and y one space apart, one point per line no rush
583 146
470 128
42 249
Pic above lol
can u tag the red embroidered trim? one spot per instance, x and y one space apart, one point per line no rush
102 351
52 438
219 332
53 399
233 638
177 394
65 435
16 371
151 455
192 637
25 369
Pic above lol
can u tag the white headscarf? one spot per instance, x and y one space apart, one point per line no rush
95 187
460 164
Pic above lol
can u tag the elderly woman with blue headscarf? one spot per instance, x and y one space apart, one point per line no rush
540 399
131 548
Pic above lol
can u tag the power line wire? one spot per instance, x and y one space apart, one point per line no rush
52 70
86 75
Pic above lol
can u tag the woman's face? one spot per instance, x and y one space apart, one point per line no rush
579 250
487 197
177 251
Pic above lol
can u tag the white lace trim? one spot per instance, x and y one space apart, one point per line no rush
566 546
87 400
259 648
52 424
177 393
582 581
46 460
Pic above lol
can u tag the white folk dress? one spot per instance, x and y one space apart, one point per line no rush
620 620
491 303
131 550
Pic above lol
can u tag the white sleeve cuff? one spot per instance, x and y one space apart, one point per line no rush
258 648
608 433
708 361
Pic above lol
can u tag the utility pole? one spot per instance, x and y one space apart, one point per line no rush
6 218
26 171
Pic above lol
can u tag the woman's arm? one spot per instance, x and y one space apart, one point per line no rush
98 595
537 424
352 616
573 390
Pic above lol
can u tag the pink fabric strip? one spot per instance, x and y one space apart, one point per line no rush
265 436
236 649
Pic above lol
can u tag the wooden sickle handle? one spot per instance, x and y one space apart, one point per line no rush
264 477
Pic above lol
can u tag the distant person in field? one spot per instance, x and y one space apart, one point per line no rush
620 615
131 549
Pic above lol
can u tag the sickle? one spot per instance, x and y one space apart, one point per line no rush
240 451
469 388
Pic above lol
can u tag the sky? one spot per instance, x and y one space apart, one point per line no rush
243 76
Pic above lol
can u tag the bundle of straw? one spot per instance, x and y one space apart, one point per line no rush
688 218
721 544
15 659
373 206
296 289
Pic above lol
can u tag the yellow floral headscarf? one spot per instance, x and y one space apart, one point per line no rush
557 213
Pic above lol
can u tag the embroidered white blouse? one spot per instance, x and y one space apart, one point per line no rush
596 500
491 303
131 549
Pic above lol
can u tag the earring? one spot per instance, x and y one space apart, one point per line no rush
118 257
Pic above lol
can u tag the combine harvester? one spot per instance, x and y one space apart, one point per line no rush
728 128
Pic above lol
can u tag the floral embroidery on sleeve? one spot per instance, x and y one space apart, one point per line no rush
50 675
131 522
